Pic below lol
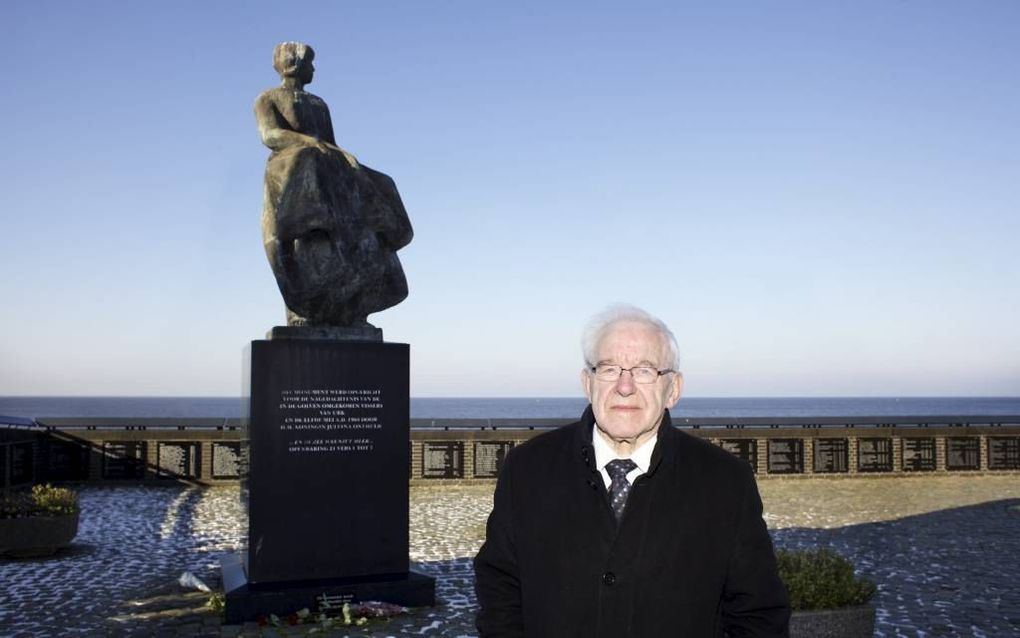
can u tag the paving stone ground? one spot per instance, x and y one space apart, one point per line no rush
944 551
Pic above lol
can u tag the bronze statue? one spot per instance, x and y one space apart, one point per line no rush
330 225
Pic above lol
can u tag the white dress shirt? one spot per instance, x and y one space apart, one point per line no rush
604 454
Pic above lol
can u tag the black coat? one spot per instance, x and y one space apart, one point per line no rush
690 558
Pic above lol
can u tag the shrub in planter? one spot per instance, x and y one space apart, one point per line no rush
39 522
826 597
821 579
54 501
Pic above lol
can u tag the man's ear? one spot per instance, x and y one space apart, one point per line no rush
676 388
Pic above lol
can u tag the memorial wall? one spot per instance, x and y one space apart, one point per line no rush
211 452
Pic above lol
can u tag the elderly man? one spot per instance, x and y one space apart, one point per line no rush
620 525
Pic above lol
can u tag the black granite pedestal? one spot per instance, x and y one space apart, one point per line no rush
326 479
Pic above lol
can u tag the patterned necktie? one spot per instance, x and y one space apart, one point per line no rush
620 487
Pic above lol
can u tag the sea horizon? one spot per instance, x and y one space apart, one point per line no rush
95 406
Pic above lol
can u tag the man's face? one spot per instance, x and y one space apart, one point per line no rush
625 410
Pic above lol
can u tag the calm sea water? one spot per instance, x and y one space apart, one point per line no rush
519 408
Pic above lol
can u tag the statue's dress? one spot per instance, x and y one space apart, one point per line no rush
331 227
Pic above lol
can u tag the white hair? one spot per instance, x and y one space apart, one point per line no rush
619 313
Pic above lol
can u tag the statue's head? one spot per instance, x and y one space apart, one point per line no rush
294 60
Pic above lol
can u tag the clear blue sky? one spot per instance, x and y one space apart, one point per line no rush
822 198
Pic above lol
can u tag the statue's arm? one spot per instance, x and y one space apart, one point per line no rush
276 133
332 139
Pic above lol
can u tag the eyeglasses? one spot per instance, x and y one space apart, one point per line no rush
640 374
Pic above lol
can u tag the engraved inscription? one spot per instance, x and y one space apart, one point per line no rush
178 459
331 420
874 455
124 460
786 456
830 455
1004 453
68 461
332 605
226 460
918 454
489 456
746 449
22 460
963 453
442 459
330 445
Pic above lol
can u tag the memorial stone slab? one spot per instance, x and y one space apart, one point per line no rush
489 457
830 456
67 460
226 460
874 454
918 454
22 463
442 459
124 459
963 453
328 491
786 456
324 472
1004 453
746 449
179 459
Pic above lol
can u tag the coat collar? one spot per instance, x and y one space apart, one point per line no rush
583 433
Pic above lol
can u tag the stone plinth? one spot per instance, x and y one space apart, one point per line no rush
326 484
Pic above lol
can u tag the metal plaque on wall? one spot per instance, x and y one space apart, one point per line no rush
489 456
786 456
831 455
179 459
746 449
1004 452
874 455
963 453
124 459
22 463
67 460
918 454
442 459
226 460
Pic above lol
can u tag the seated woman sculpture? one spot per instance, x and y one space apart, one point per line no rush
330 225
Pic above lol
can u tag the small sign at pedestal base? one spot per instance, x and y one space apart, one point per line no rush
246 602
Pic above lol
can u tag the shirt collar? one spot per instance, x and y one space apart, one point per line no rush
642 456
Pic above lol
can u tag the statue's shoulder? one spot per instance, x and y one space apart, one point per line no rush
279 95
271 96
311 97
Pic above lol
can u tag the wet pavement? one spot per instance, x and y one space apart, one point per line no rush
944 551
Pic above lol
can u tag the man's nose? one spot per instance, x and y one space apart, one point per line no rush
625 384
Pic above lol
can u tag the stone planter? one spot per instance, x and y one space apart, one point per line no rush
36 535
849 622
